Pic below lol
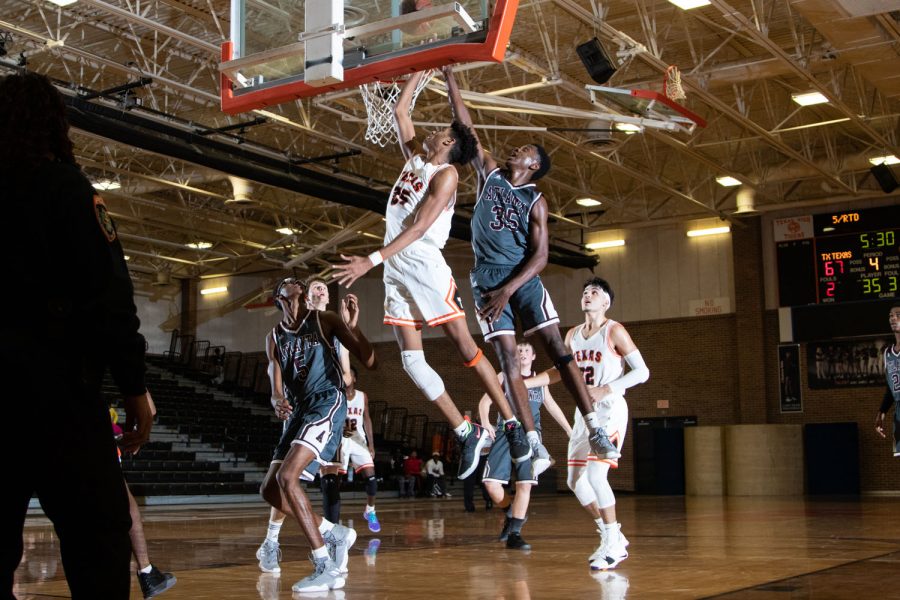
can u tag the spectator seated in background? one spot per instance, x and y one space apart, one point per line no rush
412 475
434 470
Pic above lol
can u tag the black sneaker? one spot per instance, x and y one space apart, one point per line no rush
155 582
515 542
601 447
471 450
504 533
519 448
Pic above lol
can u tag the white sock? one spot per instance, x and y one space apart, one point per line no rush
592 420
320 552
463 429
146 569
533 437
325 526
600 524
511 420
273 531
369 508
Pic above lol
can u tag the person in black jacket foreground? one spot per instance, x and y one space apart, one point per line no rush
67 315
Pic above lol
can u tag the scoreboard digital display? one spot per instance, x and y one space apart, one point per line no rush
843 257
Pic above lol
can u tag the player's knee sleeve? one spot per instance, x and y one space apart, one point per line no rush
583 490
597 477
422 374
371 486
475 359
562 361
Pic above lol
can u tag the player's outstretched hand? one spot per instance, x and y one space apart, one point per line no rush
354 268
350 310
495 302
879 424
138 423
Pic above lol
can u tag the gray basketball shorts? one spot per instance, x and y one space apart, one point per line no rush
499 465
897 429
317 424
531 303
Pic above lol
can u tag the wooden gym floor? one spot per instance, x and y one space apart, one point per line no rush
754 548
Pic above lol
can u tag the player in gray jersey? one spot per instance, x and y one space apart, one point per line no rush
499 466
892 375
308 386
510 241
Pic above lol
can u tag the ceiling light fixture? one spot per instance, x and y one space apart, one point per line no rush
199 245
689 4
106 184
606 244
588 202
884 160
629 128
728 181
287 230
708 231
63 2
213 290
809 98
127 257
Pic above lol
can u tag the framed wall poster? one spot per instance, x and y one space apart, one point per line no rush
789 378
846 363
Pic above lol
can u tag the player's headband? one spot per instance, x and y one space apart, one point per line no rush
601 291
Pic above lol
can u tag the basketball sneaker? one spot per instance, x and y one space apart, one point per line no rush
269 555
325 576
601 446
372 520
615 550
155 582
519 448
540 460
515 542
339 540
504 533
471 450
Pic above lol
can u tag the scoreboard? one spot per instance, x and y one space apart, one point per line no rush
839 257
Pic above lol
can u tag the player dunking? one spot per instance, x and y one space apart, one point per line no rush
602 348
498 467
419 287
892 375
510 240
307 383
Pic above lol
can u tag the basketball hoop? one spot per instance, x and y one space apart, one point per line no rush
672 84
380 98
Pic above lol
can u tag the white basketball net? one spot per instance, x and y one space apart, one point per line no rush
379 99
672 84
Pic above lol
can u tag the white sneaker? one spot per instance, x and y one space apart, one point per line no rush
613 550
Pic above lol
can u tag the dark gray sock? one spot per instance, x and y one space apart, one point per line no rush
515 525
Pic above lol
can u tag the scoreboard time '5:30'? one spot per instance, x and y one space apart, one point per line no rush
851 255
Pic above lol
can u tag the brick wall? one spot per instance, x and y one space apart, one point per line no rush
693 364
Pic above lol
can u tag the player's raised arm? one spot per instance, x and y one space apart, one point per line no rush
347 330
483 162
440 192
406 132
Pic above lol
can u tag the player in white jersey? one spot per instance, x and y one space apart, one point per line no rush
419 287
602 348
358 446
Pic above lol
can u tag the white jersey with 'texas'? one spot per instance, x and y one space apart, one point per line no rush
356 408
406 195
